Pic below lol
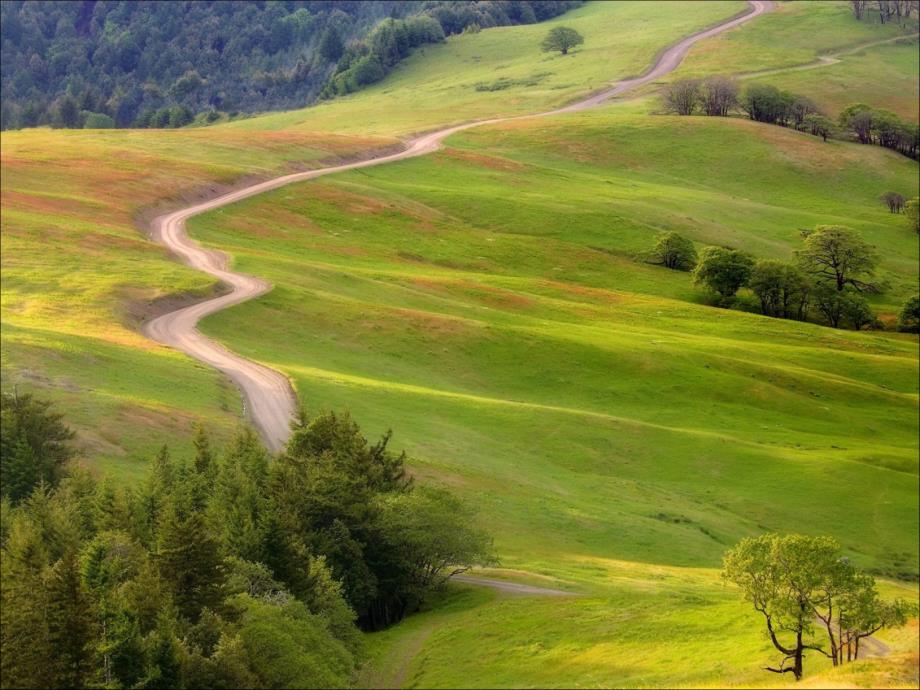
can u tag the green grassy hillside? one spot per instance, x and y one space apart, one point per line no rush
487 302
79 275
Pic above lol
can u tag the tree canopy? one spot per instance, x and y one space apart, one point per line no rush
561 38
802 585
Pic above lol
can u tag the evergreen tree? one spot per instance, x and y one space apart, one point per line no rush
188 561
69 615
330 45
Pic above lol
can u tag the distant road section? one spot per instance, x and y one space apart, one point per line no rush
269 397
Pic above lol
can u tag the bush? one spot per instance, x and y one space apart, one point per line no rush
97 120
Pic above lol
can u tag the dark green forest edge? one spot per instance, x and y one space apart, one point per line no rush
167 64
233 569
223 569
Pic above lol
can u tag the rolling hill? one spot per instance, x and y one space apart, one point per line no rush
491 304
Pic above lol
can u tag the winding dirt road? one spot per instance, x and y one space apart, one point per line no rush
268 395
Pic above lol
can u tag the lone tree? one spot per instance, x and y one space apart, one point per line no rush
682 97
562 38
894 201
674 251
723 270
796 582
837 254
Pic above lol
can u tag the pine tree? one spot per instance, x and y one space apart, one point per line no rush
70 632
19 472
23 624
330 45
204 458
188 560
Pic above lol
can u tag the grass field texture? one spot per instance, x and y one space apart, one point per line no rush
487 303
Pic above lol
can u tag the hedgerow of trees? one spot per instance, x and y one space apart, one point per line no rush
899 11
223 568
720 96
811 598
827 282
128 63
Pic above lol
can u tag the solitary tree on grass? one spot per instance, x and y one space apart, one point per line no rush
894 201
796 582
562 38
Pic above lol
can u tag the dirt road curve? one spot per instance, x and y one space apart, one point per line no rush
268 394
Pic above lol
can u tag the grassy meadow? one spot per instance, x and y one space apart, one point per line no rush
79 274
489 303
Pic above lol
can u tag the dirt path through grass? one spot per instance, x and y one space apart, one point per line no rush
826 60
268 394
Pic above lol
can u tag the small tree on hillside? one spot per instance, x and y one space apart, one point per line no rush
561 38
795 581
719 95
909 318
723 270
673 251
839 255
894 201
682 97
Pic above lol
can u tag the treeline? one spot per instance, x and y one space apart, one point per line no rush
367 61
127 63
222 569
886 11
722 96
826 283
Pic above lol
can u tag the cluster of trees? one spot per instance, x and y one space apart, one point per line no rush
802 585
875 126
226 569
363 62
898 11
827 281
720 96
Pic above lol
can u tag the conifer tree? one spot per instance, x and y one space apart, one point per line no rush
69 615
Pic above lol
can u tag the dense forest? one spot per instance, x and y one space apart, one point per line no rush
160 64
222 569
